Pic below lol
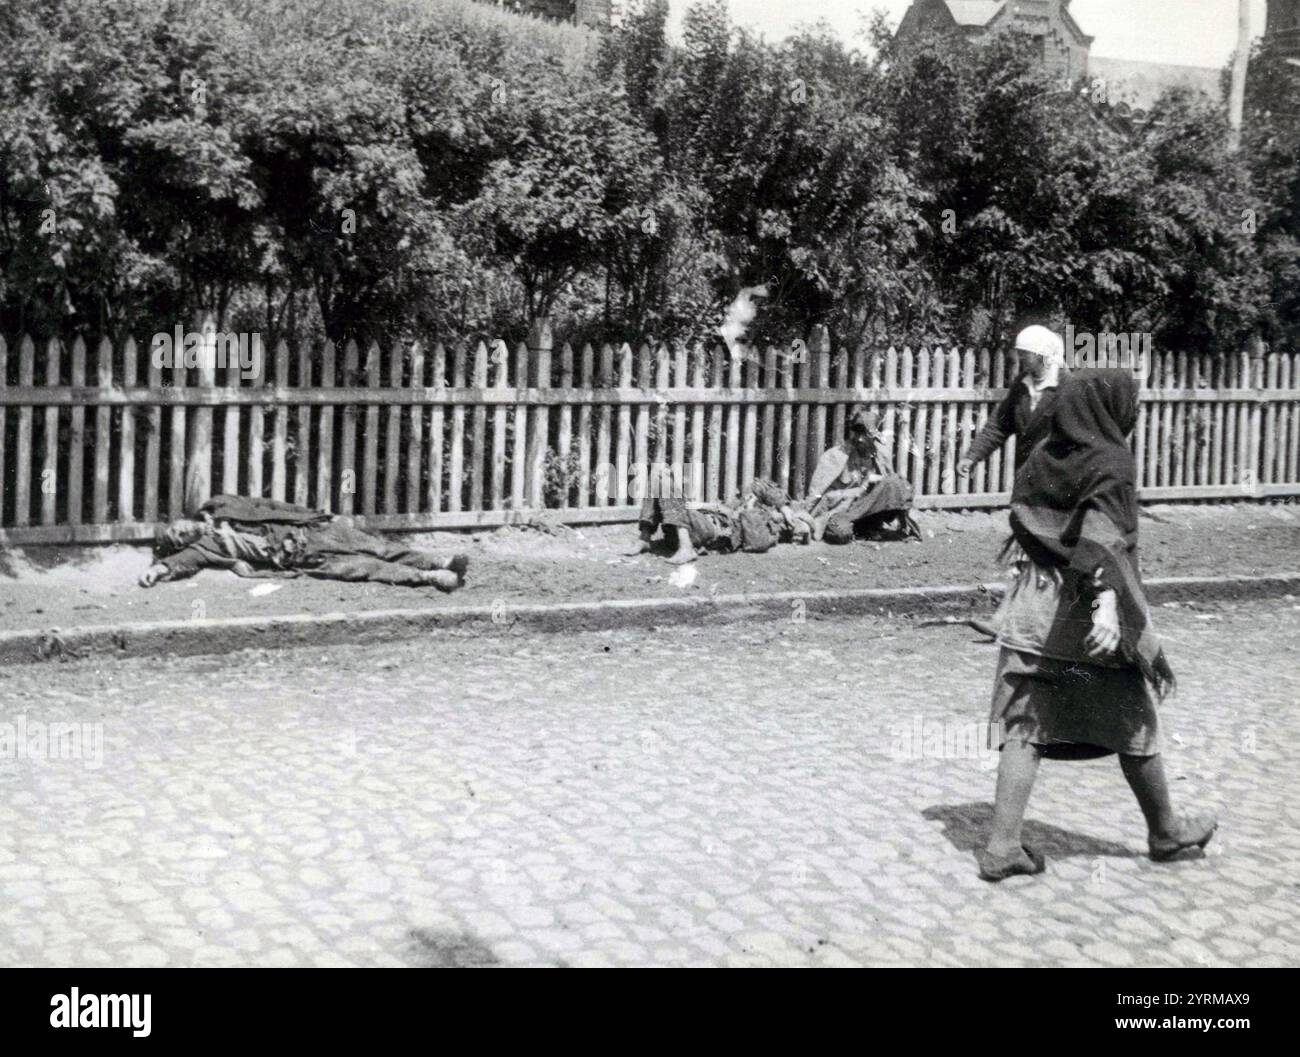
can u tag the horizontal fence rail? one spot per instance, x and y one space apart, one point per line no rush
105 443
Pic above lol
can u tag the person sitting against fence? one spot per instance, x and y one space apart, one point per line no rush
854 489
1025 411
257 537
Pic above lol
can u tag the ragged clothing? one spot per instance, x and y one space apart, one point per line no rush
257 538
711 527
1074 524
1072 710
850 490
234 545
765 517
1049 691
1074 507
1046 614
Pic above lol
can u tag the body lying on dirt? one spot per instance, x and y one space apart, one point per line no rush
257 537
853 493
765 517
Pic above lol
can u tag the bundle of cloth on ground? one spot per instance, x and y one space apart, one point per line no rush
258 537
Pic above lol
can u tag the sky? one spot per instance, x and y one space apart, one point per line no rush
1191 32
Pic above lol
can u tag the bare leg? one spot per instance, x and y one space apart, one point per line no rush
643 545
364 567
1146 777
685 550
1017 770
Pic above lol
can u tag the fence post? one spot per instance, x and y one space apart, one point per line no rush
564 441
198 460
325 447
801 473
393 430
641 431
698 466
50 460
478 429
153 438
433 491
585 383
23 444
348 456
126 449
660 458
415 433
501 358
819 349
103 433
302 462
77 435
731 469
540 342
680 463
623 442
280 428
1256 414
522 434
370 441
231 417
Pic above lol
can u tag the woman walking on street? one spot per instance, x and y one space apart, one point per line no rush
1026 409
1080 667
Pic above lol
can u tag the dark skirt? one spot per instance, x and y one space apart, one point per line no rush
887 498
1071 709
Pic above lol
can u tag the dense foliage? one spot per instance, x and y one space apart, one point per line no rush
402 167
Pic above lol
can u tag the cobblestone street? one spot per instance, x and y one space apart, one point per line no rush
759 794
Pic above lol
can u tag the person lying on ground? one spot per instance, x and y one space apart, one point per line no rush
257 537
1080 666
1025 411
788 521
854 489
765 517
688 529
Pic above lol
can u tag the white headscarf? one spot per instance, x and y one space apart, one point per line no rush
1042 342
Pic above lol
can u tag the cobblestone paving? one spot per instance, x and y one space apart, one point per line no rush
781 793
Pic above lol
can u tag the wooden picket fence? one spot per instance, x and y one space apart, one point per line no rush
103 444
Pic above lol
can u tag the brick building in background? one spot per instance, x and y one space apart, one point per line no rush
1283 17
1284 25
1063 46
599 14
1065 50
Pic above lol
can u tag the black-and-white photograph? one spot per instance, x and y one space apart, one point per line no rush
650 483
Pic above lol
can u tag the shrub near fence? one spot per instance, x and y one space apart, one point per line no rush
102 444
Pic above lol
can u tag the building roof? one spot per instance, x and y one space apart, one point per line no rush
973 12
1142 83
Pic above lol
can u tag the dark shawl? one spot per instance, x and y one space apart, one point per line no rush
1074 505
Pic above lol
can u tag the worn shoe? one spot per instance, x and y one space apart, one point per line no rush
1192 831
459 565
1000 867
